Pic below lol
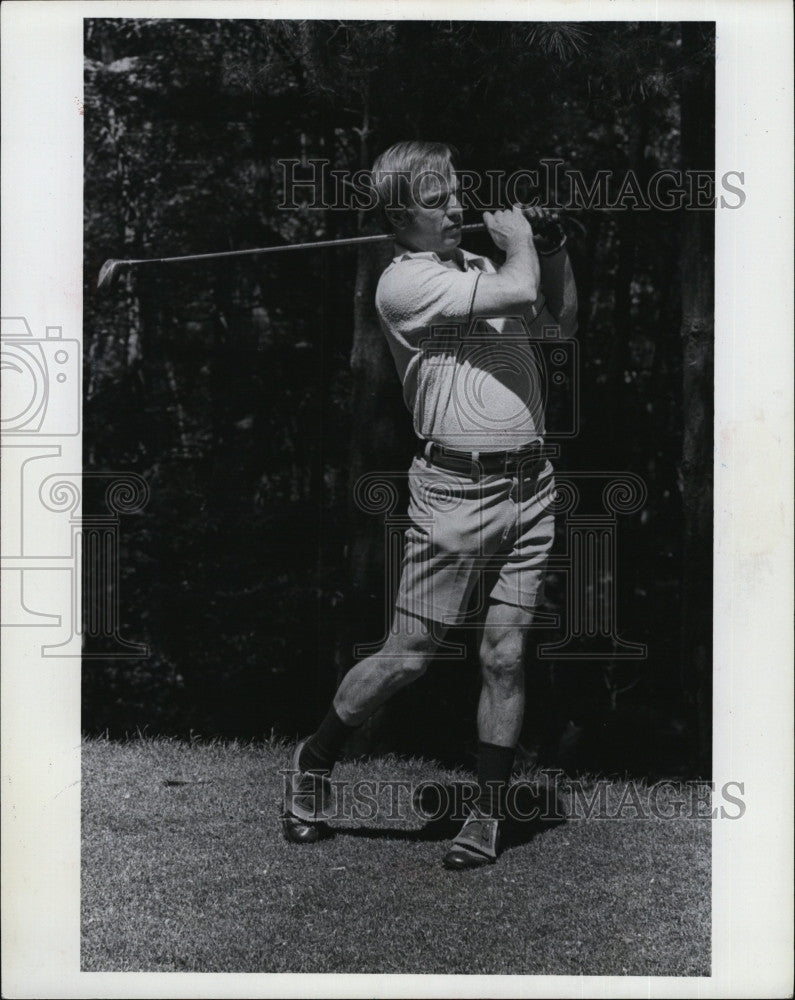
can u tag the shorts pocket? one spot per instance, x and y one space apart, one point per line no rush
438 490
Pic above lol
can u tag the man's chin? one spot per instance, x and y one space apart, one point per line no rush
451 241
446 245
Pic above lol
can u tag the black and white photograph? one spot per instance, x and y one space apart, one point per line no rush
385 540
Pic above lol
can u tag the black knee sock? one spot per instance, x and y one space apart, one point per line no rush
321 750
494 772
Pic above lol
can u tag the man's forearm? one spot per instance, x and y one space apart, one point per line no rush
513 287
522 264
522 269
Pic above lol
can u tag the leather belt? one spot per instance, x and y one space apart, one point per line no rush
483 463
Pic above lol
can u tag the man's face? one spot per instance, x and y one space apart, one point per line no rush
434 222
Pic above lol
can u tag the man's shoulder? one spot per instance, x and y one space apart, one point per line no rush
403 271
408 263
478 260
411 260
408 256
410 271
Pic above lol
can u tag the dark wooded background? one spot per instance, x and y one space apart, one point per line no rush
251 395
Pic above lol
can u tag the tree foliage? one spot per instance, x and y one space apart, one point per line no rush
237 391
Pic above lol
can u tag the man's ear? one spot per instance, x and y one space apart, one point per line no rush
399 218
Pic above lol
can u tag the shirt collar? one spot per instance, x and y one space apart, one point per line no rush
465 260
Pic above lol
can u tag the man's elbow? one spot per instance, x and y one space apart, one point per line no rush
526 296
504 296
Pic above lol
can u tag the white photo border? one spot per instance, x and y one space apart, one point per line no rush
42 225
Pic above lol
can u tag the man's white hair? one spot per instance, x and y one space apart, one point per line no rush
399 173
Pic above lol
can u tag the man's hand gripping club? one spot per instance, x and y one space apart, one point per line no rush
514 287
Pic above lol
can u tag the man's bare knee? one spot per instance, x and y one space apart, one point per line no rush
411 644
502 655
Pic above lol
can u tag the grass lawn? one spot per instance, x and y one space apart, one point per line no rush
185 869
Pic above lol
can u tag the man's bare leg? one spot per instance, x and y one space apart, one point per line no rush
500 714
501 706
404 657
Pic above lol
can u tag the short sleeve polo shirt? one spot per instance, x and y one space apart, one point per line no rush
470 385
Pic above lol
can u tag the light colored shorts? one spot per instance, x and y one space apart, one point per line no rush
473 542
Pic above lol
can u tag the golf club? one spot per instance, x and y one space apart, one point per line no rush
110 270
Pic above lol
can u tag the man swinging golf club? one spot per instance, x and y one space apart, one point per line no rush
480 487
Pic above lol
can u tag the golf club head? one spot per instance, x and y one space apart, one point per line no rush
108 274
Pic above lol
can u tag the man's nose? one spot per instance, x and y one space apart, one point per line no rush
454 208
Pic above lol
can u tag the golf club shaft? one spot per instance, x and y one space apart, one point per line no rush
111 268
348 241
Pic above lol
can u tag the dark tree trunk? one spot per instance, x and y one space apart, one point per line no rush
380 443
697 334
378 432
616 450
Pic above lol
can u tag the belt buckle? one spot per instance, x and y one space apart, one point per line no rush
526 462
537 462
513 463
